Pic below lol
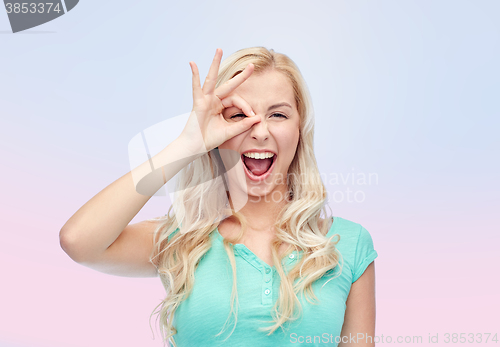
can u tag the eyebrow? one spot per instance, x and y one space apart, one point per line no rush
278 105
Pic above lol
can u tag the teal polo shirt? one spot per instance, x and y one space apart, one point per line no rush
203 314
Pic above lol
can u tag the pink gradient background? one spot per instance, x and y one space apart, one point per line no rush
406 90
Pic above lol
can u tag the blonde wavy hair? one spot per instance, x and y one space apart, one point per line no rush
200 204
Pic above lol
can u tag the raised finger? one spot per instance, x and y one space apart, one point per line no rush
239 102
237 128
211 80
197 92
225 89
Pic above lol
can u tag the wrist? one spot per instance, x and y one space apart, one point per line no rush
190 145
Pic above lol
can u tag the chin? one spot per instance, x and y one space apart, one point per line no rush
261 192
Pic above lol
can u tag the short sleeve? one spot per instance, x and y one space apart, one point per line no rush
172 234
365 254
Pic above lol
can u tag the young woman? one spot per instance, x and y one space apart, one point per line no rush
244 253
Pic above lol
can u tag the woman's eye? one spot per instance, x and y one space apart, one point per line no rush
279 115
238 115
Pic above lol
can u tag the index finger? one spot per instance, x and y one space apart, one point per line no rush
211 79
225 89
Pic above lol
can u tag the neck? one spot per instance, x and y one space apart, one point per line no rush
261 212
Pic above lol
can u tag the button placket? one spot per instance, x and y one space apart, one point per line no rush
267 286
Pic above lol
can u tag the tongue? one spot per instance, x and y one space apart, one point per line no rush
258 166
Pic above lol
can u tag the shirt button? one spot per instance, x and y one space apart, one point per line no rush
267 291
291 256
268 270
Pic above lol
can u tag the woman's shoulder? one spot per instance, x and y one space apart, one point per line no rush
355 243
350 233
343 226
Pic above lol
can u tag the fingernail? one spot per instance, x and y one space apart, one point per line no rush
253 113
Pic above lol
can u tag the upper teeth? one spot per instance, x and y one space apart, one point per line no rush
259 155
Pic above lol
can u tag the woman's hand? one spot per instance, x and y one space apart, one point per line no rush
206 127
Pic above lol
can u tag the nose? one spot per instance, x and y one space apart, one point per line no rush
260 131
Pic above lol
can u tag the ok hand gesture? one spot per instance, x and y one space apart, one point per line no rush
206 119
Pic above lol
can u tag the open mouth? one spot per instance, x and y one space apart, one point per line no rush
258 169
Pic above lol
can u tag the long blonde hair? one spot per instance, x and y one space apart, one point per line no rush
201 203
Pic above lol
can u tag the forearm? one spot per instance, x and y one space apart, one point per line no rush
98 223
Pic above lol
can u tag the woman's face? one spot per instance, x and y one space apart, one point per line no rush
271 97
